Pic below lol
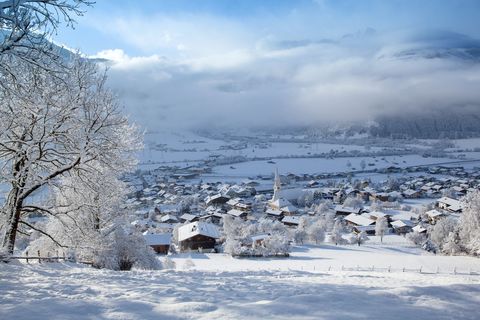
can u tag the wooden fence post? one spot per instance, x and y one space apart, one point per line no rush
26 254
39 260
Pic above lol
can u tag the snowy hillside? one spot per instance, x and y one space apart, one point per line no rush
219 287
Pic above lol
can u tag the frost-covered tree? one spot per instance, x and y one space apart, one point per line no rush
300 233
25 26
469 223
451 244
416 238
276 244
361 238
56 126
440 231
84 212
381 226
299 236
316 229
238 237
337 233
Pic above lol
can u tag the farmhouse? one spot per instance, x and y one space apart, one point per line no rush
434 215
402 226
345 211
217 199
419 228
274 213
197 235
449 204
291 220
237 213
159 242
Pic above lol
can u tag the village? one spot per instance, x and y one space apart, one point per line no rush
178 212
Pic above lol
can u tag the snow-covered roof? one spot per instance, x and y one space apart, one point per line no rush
434 213
197 228
291 219
188 217
452 204
273 212
168 217
359 220
364 228
290 208
233 202
236 212
401 223
340 208
409 192
158 239
418 228
280 203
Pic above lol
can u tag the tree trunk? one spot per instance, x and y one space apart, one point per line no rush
13 214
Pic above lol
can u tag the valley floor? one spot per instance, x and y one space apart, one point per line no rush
252 289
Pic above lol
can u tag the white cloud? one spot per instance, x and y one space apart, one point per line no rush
197 70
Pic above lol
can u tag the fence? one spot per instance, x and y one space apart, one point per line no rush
390 269
48 258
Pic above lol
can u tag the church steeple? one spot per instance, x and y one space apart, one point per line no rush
276 186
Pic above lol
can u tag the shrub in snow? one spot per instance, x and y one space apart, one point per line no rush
232 246
429 246
276 244
416 238
125 252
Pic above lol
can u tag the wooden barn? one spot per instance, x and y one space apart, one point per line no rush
197 235
159 242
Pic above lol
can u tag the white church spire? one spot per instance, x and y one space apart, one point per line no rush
276 186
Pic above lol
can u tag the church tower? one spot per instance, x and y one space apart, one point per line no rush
276 186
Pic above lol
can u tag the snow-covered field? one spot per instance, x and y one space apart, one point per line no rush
316 166
221 287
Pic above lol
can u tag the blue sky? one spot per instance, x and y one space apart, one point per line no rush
257 62
294 18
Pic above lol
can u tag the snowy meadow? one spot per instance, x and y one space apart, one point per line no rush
221 287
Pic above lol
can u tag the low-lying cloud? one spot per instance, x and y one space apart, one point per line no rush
267 80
